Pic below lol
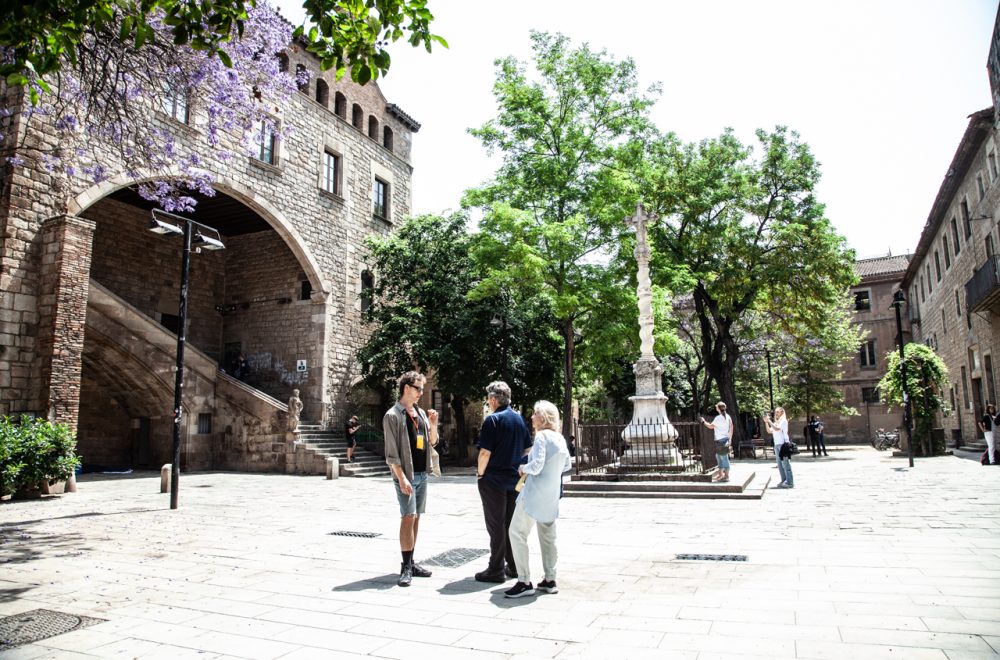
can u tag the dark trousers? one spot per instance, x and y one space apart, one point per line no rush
819 442
498 509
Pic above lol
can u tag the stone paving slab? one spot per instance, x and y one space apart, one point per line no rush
864 558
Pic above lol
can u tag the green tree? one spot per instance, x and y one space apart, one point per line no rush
554 210
41 36
926 375
813 365
423 316
744 235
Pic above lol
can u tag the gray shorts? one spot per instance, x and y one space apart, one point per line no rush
416 502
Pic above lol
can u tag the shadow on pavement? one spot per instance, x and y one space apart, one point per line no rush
20 544
380 583
465 586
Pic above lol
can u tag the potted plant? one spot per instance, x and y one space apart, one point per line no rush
32 452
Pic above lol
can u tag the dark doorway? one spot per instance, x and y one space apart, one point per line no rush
139 439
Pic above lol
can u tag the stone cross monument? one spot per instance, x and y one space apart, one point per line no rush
650 434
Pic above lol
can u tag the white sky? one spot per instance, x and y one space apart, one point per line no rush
880 89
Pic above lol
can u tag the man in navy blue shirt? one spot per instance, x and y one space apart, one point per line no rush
503 442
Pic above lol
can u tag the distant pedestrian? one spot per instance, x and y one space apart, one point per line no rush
240 368
351 435
723 427
409 435
987 425
538 503
816 435
782 450
503 442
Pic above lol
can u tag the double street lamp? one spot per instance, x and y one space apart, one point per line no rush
200 236
898 300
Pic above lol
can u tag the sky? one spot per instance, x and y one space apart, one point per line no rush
880 89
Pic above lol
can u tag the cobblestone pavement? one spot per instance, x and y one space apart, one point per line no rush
865 558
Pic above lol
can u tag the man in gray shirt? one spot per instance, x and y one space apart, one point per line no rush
409 435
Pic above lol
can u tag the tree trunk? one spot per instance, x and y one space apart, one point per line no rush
567 411
461 433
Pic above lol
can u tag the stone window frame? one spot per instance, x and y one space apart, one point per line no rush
332 182
367 289
340 104
387 138
937 265
373 126
337 148
322 95
382 174
860 306
991 163
870 395
276 144
868 357
966 215
176 101
947 252
954 234
302 87
930 279
358 116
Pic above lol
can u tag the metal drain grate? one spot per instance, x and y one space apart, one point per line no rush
359 535
683 557
456 557
37 625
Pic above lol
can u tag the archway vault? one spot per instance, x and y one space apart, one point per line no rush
263 208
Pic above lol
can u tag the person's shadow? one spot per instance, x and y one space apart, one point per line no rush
380 583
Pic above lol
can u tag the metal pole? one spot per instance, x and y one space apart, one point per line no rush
897 302
175 468
770 385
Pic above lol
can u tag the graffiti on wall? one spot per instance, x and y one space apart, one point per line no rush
263 362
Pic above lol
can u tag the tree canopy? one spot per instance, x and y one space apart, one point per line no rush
554 210
43 36
926 375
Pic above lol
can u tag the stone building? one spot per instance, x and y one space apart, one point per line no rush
879 279
89 296
953 281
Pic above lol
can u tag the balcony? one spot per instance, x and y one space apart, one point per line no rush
982 292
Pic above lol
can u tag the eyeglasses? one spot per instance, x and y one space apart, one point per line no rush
419 389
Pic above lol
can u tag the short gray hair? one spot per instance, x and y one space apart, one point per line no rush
500 391
548 413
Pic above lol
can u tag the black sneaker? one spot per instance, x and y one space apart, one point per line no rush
487 576
405 574
548 586
419 571
510 572
520 589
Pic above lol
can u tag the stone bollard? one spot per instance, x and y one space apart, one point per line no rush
165 478
332 467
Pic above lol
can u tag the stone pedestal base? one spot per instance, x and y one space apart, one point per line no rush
650 436
332 467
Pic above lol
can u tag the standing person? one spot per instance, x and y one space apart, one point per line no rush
779 436
816 434
987 425
723 427
240 367
351 435
503 441
538 502
409 434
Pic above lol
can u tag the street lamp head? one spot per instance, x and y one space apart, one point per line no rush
898 298
207 242
158 226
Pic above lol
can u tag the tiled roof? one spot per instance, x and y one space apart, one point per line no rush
882 265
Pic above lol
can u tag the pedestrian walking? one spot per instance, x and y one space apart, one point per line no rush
987 425
782 454
503 442
410 434
722 425
816 435
538 503
351 435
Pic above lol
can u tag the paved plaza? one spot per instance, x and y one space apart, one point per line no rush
865 558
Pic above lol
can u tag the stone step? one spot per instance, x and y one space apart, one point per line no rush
720 495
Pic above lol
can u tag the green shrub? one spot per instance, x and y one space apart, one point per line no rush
33 451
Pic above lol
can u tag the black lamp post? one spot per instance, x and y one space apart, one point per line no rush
898 300
770 386
175 224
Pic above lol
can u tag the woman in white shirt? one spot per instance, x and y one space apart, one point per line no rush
779 435
538 502
723 427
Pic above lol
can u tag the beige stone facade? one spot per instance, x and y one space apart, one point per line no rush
879 279
286 291
953 283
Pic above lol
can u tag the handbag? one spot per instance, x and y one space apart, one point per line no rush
788 449
722 445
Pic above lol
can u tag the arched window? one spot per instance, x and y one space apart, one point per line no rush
322 93
302 78
358 117
282 62
340 105
372 127
367 289
387 138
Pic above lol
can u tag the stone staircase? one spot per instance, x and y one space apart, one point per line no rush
743 485
332 443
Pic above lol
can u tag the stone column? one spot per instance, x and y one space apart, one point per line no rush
64 283
650 435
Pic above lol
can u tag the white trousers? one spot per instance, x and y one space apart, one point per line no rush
990 445
520 528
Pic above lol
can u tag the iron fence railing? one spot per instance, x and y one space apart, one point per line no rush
647 451
982 289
